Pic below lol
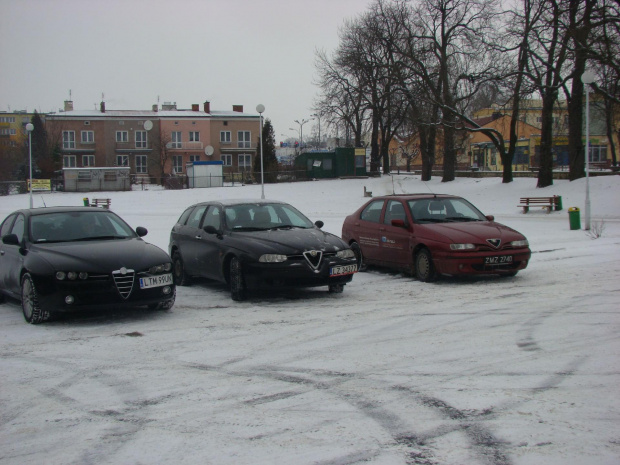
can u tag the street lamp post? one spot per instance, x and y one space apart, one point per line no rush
318 117
260 108
587 78
29 128
301 132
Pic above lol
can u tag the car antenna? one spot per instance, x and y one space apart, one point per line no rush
429 189
43 200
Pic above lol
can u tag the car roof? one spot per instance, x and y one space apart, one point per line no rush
233 202
417 196
46 210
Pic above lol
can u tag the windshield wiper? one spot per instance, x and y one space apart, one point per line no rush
99 238
460 218
431 220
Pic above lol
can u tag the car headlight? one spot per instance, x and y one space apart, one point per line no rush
521 243
462 246
347 253
71 275
157 269
272 258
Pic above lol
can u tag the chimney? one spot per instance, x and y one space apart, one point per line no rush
238 108
68 105
195 107
155 108
207 106
102 106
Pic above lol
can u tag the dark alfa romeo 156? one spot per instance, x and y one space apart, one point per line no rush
252 244
63 259
429 235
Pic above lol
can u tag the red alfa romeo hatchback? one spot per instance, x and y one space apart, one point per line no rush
430 235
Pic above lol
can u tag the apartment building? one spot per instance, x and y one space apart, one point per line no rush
13 128
155 143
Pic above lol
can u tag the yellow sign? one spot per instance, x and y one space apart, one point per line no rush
360 151
40 185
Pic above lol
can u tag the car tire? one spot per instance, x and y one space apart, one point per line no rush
237 284
33 313
180 277
424 267
357 250
336 288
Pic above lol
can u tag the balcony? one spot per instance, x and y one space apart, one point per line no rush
126 146
185 145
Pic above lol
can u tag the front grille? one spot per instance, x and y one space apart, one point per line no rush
313 257
124 279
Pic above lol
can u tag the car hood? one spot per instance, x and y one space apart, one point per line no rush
472 232
289 241
101 256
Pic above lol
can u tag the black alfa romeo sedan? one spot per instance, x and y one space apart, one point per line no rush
64 259
253 244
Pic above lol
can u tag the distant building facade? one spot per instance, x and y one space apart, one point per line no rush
155 143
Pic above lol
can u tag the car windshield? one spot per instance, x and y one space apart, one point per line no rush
256 217
444 210
78 226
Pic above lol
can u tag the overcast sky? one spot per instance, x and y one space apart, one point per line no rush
139 52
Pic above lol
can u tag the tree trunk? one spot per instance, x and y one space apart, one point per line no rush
449 153
545 173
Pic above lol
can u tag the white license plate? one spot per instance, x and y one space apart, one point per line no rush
155 281
343 270
502 259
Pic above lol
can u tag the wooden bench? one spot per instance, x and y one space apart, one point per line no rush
105 203
548 203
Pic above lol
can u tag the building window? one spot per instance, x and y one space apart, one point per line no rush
141 164
227 159
68 161
88 160
245 161
88 137
194 136
225 137
7 119
243 139
8 132
122 136
122 160
598 153
177 164
176 140
194 158
140 139
68 140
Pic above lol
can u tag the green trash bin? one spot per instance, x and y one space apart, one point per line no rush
85 199
574 218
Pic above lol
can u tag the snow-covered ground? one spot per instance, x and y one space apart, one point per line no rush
522 370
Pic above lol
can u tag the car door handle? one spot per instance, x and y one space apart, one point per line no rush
198 237
381 229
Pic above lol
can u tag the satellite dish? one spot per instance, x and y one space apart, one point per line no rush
208 150
148 125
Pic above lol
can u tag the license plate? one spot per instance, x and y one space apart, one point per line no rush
155 281
501 260
342 270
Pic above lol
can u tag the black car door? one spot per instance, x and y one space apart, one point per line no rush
208 257
189 239
11 259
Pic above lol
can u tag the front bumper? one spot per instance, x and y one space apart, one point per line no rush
474 263
294 273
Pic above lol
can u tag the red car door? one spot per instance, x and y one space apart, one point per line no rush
394 240
368 233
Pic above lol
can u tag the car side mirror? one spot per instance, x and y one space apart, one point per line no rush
490 217
210 230
399 223
141 231
10 239
319 224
